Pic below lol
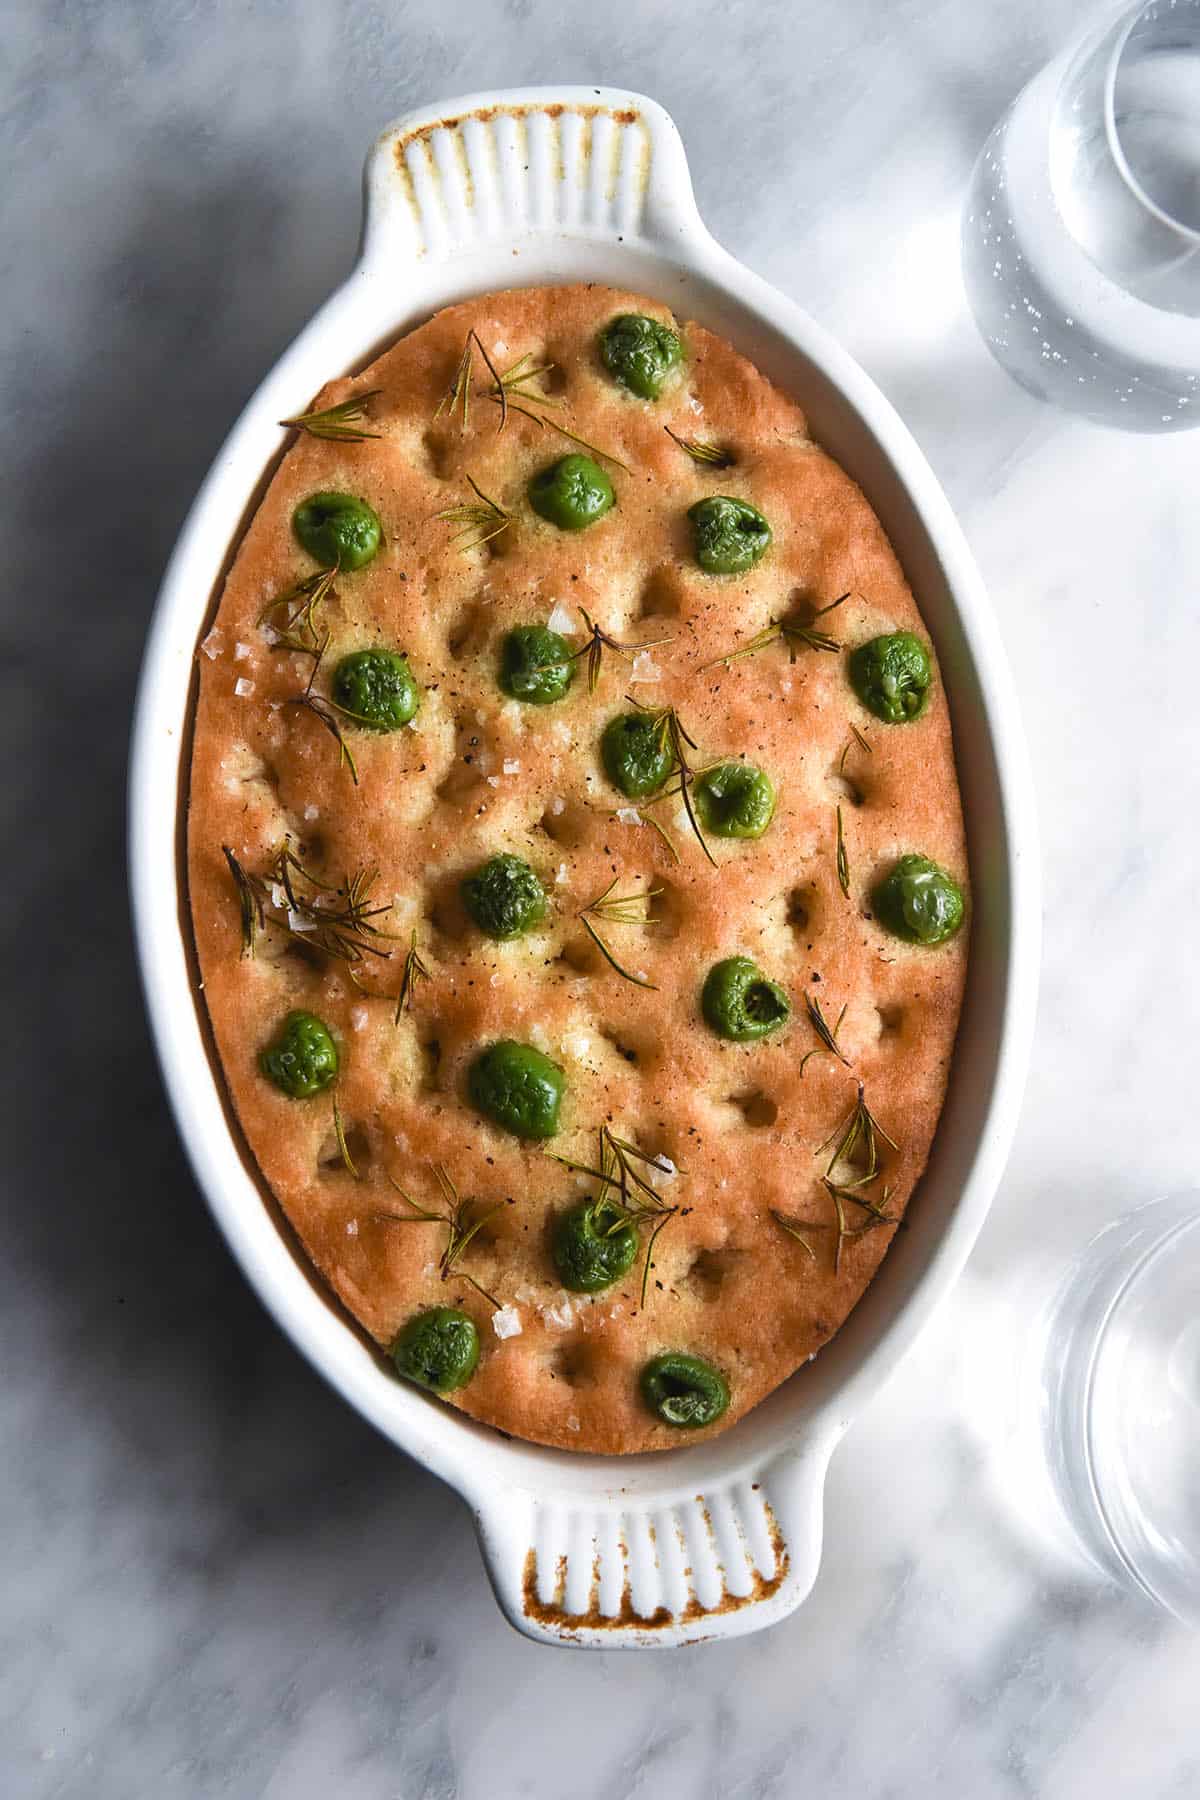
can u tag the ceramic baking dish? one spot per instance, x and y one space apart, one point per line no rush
587 184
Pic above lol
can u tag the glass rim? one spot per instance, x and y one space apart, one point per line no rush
1186 233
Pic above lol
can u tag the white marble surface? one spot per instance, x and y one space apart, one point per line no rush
216 1580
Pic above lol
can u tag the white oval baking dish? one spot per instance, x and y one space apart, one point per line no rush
514 189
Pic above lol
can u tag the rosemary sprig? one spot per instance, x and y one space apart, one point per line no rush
249 901
618 909
675 737
511 392
826 1032
863 1127
793 632
625 1195
703 450
338 921
323 711
460 1220
297 628
340 1134
341 422
479 521
415 969
599 640
876 1216
457 397
856 737
843 861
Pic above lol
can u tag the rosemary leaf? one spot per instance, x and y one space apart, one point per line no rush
340 422
702 450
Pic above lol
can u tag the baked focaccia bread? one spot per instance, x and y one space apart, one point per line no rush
577 868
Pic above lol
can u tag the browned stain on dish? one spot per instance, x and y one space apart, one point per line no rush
626 115
553 1612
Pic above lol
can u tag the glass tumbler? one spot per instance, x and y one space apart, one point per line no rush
1081 231
1116 1390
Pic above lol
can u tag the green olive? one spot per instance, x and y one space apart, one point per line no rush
504 897
376 688
302 1058
337 528
684 1390
640 353
729 536
571 493
535 665
735 800
892 676
593 1247
636 753
438 1349
918 901
517 1088
740 1003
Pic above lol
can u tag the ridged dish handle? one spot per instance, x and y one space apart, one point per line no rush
522 165
731 1558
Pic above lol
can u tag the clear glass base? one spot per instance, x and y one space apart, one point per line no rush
1117 1360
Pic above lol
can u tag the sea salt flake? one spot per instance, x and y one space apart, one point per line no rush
312 812
629 815
297 922
561 1316
511 766
243 688
696 405
213 644
562 621
492 780
241 652
358 1017
645 669
666 1167
558 805
507 1322
560 879
351 1227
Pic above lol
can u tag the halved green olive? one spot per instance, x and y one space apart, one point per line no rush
892 676
640 353
571 493
438 1349
740 1003
517 1088
302 1058
919 901
684 1390
636 752
376 688
337 528
593 1247
735 800
536 665
504 897
729 536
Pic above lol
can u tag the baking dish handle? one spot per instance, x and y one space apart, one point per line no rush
736 1556
526 165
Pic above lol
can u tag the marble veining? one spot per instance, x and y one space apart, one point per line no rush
217 1582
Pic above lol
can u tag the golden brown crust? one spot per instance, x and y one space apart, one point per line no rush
477 774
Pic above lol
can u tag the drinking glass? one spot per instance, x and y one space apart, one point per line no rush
1081 231
1115 1391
